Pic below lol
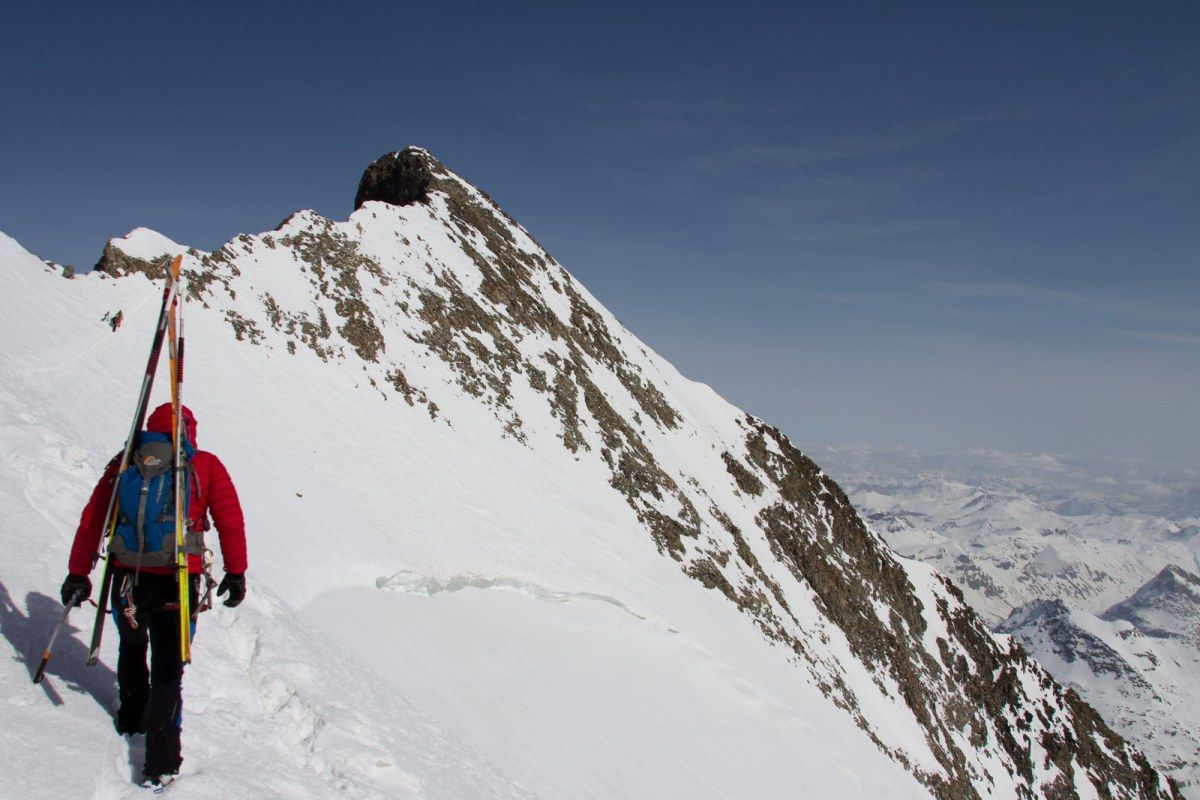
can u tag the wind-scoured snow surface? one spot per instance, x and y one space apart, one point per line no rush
498 547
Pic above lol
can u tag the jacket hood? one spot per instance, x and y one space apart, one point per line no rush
160 422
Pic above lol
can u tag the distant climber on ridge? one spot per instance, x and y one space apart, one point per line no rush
145 595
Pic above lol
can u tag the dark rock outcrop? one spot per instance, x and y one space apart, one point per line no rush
116 262
400 178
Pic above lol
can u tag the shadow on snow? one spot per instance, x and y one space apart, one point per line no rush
28 632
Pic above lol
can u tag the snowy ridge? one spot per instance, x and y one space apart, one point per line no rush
146 245
1167 607
526 433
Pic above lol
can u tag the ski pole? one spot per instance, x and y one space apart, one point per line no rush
41 670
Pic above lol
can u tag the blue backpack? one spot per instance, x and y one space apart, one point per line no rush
145 535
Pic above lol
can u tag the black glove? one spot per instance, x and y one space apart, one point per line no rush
77 587
235 584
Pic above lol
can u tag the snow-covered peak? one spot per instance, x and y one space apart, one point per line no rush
1137 665
1037 612
1168 605
1171 583
443 431
141 251
147 245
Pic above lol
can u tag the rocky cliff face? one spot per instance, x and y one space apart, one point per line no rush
435 294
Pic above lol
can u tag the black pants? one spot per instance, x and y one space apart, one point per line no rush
151 697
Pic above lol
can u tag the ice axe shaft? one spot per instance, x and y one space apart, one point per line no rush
62 618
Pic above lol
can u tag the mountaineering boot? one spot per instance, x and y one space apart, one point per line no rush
159 783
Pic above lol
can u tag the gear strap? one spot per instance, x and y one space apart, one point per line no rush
210 583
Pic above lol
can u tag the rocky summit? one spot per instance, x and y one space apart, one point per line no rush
398 178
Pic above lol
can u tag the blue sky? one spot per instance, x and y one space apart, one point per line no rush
931 225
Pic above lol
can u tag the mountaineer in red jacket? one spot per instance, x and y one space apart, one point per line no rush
145 599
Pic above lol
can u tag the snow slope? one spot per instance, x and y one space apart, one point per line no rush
498 546
274 709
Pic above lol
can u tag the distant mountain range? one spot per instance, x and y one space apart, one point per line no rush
1089 564
1012 529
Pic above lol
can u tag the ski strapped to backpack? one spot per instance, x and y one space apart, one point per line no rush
178 470
139 417
147 518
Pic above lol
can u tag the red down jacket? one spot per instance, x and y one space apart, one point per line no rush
212 492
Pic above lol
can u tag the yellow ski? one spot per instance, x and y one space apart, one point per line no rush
175 339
